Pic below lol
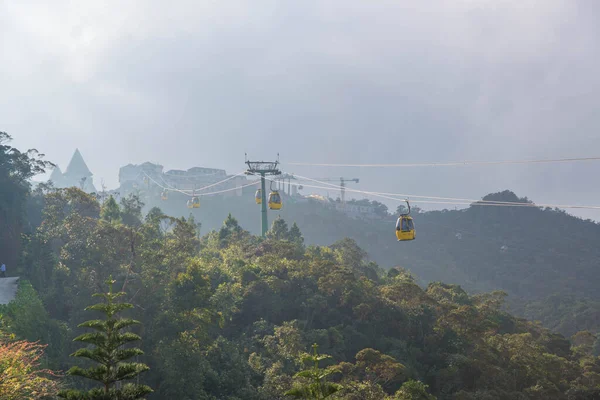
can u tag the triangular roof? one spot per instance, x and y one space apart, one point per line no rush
77 167
56 175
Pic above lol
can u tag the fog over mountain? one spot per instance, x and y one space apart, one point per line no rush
191 83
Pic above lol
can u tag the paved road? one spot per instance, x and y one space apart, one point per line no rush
8 289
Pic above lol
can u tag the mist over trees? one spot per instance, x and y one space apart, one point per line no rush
322 307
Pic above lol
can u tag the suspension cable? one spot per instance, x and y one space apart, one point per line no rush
455 201
448 164
194 190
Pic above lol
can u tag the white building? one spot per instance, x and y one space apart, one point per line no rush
152 177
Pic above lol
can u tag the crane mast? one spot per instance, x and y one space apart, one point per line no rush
342 186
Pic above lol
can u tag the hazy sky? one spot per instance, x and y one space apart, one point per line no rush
198 83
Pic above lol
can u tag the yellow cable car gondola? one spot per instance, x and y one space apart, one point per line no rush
164 195
405 227
194 202
258 196
275 200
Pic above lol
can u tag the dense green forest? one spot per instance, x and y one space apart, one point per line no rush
225 314
545 259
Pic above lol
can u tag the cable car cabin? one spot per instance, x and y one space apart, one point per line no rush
405 228
275 200
164 195
194 202
258 196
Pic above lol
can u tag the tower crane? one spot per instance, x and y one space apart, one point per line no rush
342 186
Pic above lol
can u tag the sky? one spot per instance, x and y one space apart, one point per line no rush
200 83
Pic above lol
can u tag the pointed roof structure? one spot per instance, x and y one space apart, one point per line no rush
77 167
56 175
78 174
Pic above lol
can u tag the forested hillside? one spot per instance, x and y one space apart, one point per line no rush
225 314
545 259
229 314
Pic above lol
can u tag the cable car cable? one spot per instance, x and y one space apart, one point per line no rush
211 193
458 202
202 188
448 164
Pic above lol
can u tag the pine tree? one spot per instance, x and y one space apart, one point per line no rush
318 388
230 226
108 352
295 235
110 210
279 230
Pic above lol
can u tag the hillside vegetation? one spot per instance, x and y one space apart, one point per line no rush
545 259
226 314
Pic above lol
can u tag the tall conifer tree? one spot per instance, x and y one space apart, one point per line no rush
108 352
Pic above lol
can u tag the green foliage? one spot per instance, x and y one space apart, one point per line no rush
20 374
379 208
316 387
279 230
109 352
132 210
230 230
401 209
27 319
16 169
413 390
295 235
110 211
25 316
155 215
226 316
463 247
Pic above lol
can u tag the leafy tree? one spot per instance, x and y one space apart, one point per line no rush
373 366
401 209
108 352
20 374
132 210
228 318
380 209
27 319
317 387
413 390
583 342
197 225
16 169
154 215
110 211
506 195
349 253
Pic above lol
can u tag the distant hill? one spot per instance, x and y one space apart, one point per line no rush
530 253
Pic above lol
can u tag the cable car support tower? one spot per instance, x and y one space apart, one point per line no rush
263 168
